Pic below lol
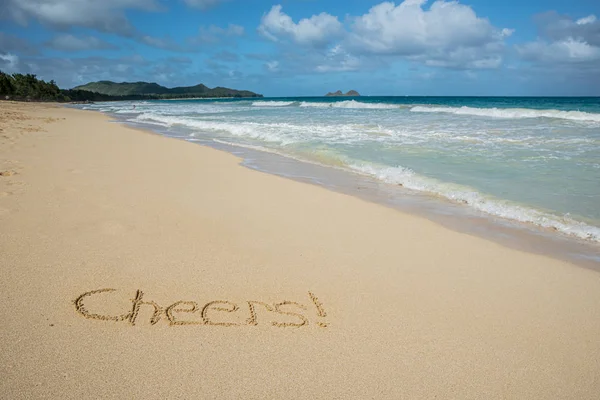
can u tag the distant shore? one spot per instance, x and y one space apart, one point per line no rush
139 266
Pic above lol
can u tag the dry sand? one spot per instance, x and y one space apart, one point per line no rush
399 307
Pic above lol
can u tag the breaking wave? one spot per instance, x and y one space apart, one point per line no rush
471 197
350 104
334 104
273 103
366 142
511 113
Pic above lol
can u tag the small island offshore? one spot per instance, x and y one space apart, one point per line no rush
352 93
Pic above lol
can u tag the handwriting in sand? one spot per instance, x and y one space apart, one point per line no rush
216 313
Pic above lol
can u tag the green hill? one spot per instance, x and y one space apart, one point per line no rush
153 89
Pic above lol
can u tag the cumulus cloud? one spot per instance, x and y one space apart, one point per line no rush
566 50
484 57
272 66
444 34
104 15
447 34
563 40
317 31
9 63
554 26
67 42
337 59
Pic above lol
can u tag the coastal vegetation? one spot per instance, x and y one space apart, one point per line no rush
158 91
27 87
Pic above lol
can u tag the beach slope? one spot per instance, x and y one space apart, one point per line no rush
138 266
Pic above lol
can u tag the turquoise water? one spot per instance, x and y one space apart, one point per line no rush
534 160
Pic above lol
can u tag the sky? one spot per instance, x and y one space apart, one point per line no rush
311 47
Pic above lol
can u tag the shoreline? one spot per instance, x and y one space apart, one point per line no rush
515 234
139 266
502 201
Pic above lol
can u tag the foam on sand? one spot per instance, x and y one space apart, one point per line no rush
479 201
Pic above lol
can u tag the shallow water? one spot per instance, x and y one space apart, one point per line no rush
533 160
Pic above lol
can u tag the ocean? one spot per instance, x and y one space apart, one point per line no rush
528 160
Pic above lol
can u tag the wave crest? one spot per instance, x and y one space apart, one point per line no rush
349 104
511 113
487 204
272 103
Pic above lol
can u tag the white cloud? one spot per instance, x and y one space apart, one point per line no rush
102 15
563 40
338 60
462 58
590 19
68 42
446 34
555 27
272 66
560 51
317 31
507 32
9 63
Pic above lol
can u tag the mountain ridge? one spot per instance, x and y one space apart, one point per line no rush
154 89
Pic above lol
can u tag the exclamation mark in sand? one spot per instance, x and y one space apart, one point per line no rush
320 310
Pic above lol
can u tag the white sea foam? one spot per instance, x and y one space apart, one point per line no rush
511 113
245 130
457 193
272 103
280 132
418 139
469 196
349 104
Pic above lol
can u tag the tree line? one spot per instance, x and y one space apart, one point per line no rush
27 87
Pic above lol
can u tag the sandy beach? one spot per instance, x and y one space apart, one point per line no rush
142 267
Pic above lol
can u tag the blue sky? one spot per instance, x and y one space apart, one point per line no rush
310 47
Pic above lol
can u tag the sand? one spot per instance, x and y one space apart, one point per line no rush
138 266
